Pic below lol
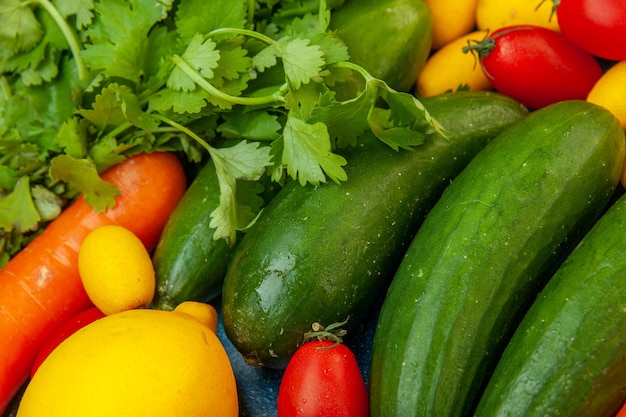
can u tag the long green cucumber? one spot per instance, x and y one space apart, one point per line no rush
482 254
188 263
323 253
567 356
389 38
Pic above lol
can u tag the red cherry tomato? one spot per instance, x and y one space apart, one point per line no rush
597 26
68 328
536 66
322 380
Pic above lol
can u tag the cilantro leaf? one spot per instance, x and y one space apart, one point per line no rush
243 161
201 56
181 102
82 9
18 212
118 37
107 108
201 16
20 29
81 176
307 153
256 125
301 60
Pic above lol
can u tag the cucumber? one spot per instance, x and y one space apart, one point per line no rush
323 253
567 356
391 39
483 253
188 263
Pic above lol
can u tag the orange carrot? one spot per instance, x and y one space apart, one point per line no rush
40 287
621 412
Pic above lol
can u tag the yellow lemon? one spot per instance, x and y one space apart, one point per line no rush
116 269
450 69
495 14
140 362
451 19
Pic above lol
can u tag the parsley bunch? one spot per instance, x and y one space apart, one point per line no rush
253 85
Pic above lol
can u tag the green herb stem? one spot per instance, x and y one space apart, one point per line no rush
207 86
244 32
184 130
69 35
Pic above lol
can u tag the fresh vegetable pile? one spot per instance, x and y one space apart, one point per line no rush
440 183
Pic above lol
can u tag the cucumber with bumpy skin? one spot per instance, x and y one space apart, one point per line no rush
323 253
568 352
482 254
188 263
389 38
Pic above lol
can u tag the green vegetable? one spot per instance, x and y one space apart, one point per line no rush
483 253
323 253
568 352
188 264
85 84
399 30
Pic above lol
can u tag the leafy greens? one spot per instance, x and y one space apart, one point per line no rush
86 83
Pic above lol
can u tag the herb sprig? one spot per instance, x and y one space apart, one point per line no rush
250 84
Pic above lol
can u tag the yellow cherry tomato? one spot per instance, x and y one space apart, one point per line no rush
495 14
610 92
450 69
451 19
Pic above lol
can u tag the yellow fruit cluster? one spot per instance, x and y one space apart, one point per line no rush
136 360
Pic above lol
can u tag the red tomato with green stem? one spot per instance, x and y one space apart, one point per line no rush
535 65
597 26
323 379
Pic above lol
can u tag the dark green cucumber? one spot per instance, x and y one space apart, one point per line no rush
323 253
483 253
188 263
391 39
567 356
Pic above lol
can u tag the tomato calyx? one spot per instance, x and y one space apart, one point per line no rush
555 5
333 332
482 48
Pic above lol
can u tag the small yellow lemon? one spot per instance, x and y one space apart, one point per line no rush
116 269
140 362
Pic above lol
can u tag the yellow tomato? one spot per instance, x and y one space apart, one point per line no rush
495 14
450 69
116 270
451 19
610 92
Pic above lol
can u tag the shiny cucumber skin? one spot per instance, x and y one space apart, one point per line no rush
323 253
391 39
481 254
567 356
189 264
